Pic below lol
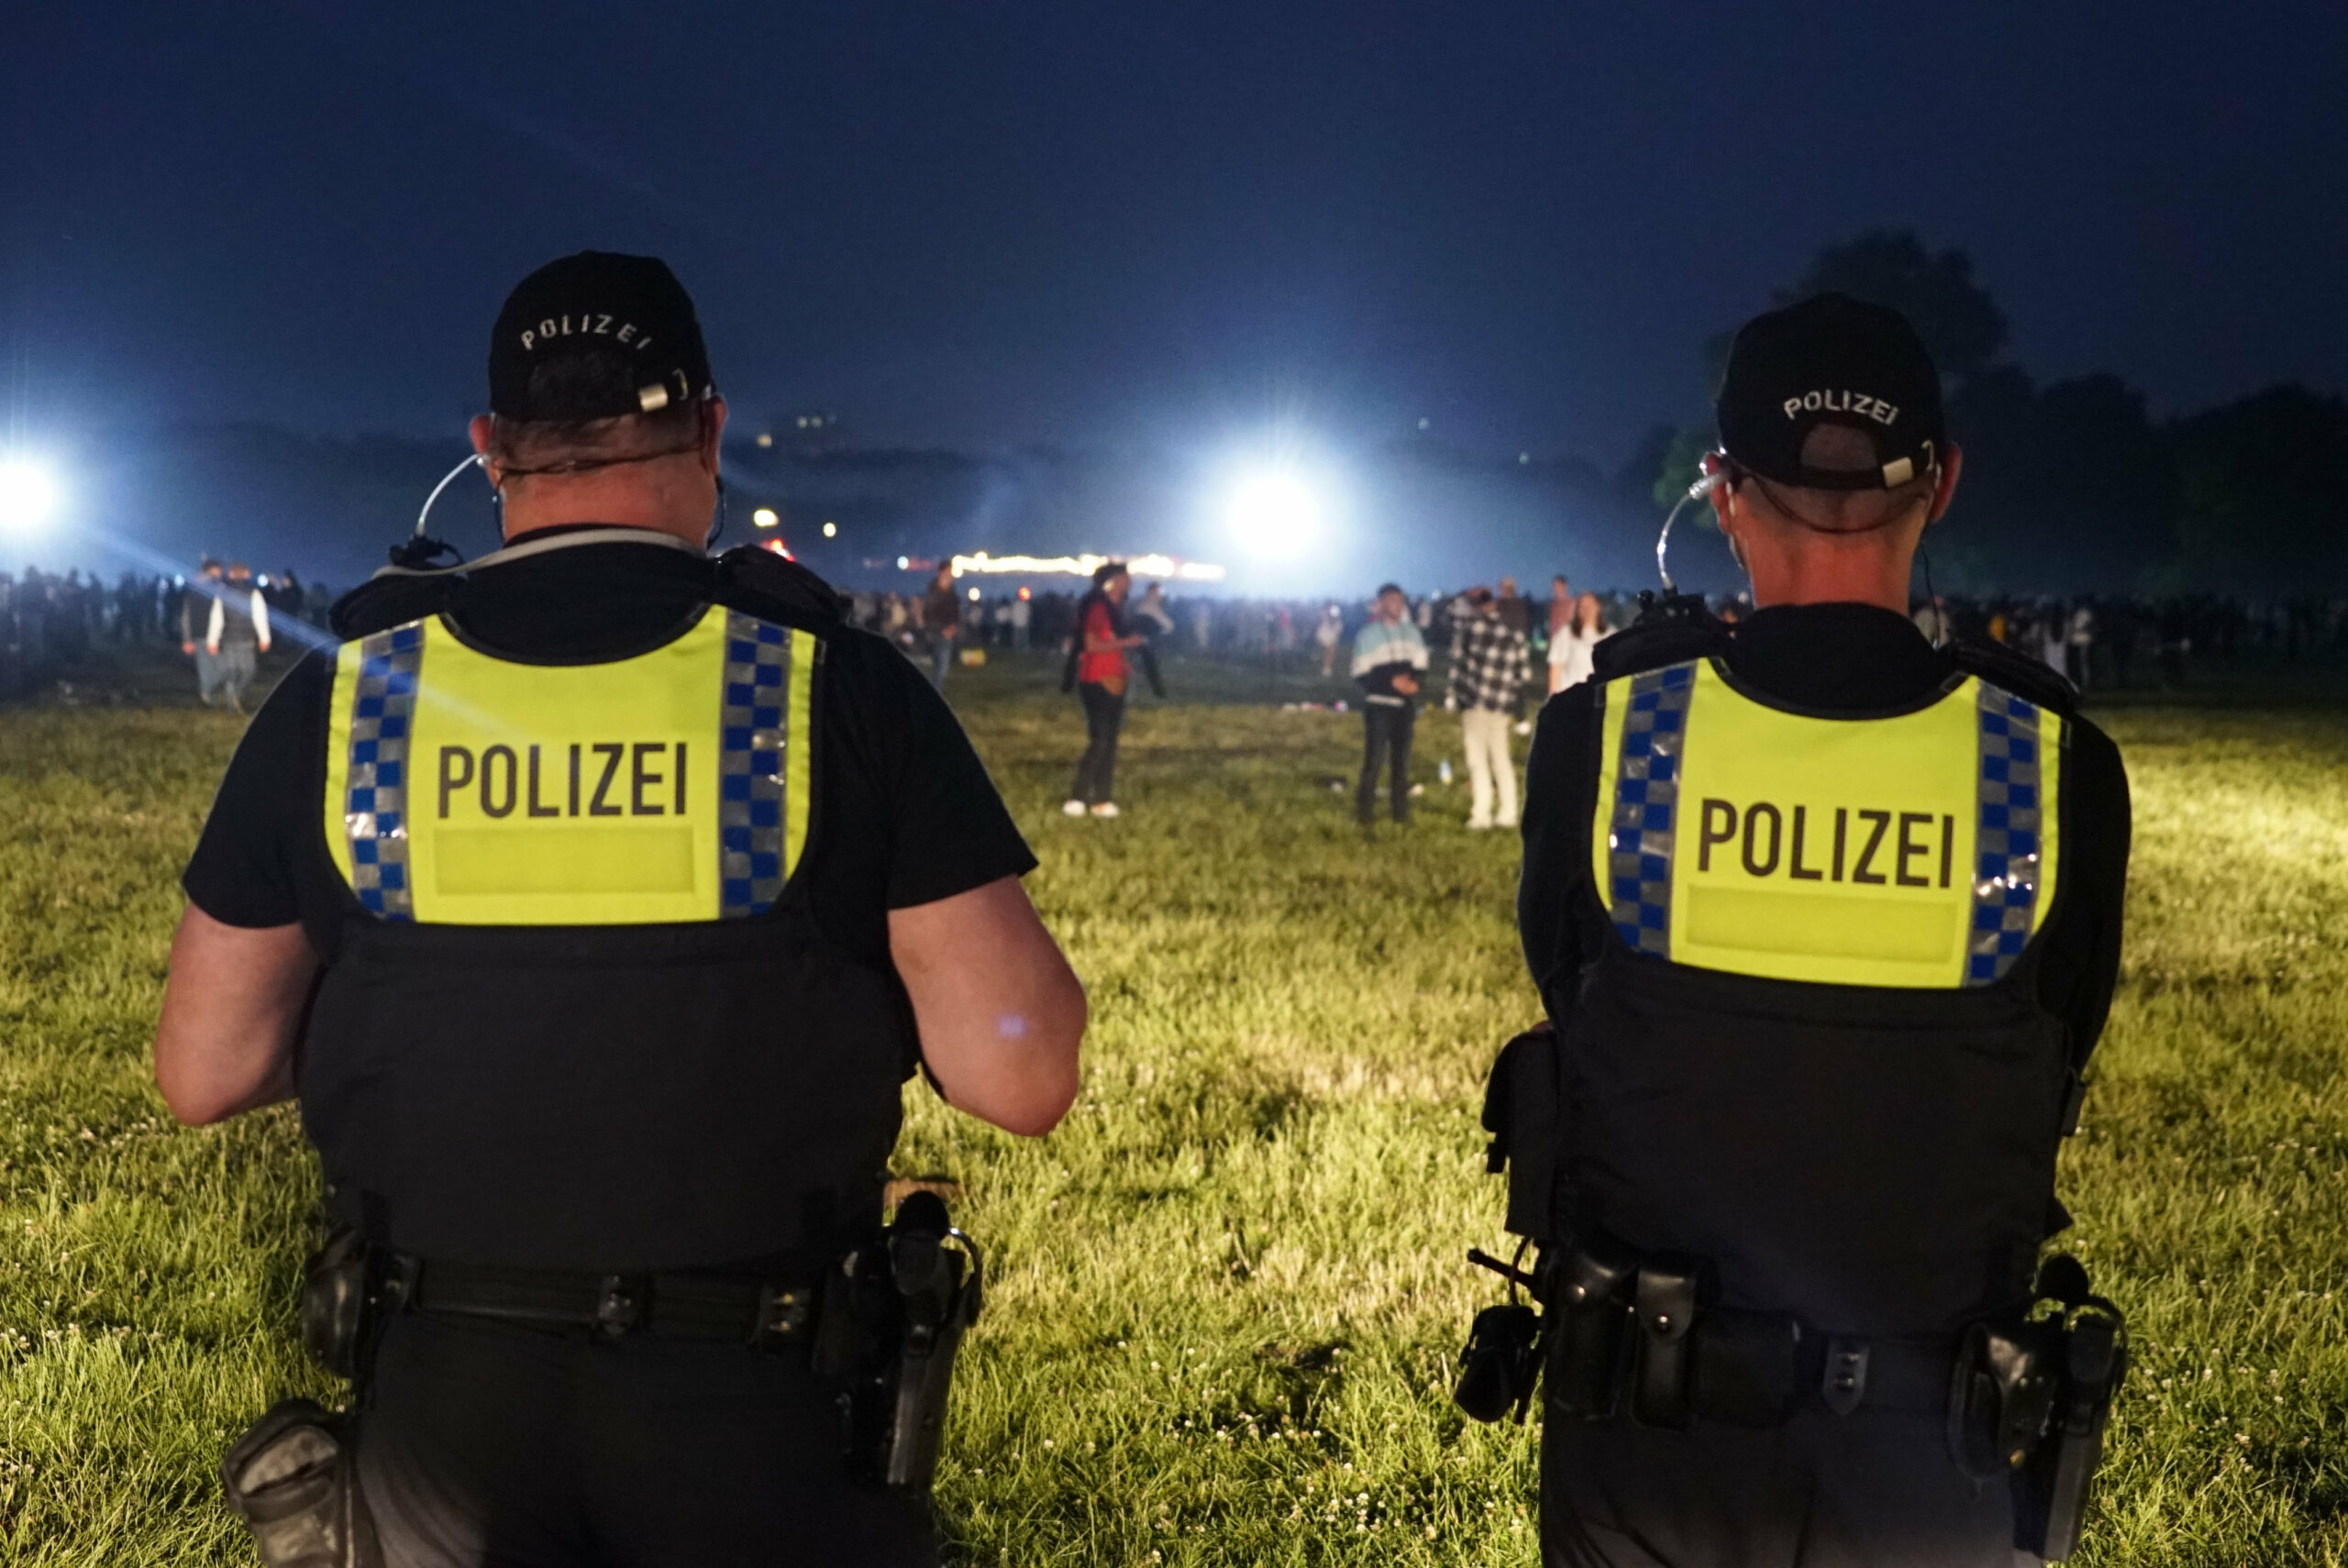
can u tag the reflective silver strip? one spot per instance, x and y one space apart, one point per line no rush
751 780
2009 839
1644 825
382 719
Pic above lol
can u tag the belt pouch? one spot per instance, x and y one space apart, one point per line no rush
294 1480
1748 1367
1665 1303
1593 1331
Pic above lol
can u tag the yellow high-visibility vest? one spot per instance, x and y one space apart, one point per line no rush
467 789
1917 850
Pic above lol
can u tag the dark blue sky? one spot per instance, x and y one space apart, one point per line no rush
991 224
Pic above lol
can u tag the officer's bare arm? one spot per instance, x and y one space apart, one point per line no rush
232 1009
1000 1011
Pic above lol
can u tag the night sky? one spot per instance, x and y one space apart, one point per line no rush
1119 225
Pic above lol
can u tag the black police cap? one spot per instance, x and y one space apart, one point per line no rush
1832 360
596 336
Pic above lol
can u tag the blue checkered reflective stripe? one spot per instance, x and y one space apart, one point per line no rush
2008 837
374 812
751 780
1647 795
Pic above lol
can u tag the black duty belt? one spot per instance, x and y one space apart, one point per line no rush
1637 1331
676 1306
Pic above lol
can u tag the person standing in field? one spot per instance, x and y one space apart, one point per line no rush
1490 665
194 617
1573 649
941 620
1327 633
236 633
1389 660
1099 670
597 901
1827 922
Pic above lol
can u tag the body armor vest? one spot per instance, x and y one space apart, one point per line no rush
581 1016
1812 1050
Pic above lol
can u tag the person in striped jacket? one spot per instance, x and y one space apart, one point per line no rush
1490 662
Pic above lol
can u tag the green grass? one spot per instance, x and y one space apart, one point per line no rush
1229 1291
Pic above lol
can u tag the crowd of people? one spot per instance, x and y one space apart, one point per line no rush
1506 651
221 619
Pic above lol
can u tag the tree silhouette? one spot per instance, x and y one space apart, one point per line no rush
1960 324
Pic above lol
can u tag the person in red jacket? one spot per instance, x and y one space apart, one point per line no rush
1101 672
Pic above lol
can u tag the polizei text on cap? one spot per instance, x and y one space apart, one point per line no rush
1873 408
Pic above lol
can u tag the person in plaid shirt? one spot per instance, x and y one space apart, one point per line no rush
1490 662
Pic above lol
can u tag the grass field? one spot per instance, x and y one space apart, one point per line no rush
1229 1290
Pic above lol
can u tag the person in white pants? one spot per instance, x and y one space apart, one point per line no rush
1490 661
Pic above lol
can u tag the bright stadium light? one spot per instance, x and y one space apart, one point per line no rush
1273 512
765 517
27 495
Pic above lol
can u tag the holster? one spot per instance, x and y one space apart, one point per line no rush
892 1319
2031 1399
294 1479
338 1302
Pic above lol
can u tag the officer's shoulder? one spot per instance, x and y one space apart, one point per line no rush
1664 633
393 599
2029 679
773 588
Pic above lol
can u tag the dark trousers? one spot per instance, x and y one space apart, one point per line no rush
1867 1490
1105 716
1386 733
485 1446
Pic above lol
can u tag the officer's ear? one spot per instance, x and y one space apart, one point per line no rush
1945 489
713 427
1723 497
483 430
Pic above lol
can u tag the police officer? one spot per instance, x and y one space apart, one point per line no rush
1826 920
595 902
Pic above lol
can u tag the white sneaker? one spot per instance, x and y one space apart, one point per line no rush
1073 809
1105 809
1475 826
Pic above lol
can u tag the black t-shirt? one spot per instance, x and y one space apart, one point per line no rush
1848 660
906 811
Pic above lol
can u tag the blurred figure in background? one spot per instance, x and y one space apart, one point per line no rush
195 610
1570 647
236 633
941 620
1390 656
1490 665
1150 617
1326 634
1515 611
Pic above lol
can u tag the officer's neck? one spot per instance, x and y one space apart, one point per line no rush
609 501
1831 572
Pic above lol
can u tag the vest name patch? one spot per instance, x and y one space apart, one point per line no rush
584 778
1861 846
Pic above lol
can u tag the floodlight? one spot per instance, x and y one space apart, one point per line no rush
1274 511
27 495
831 530
766 517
